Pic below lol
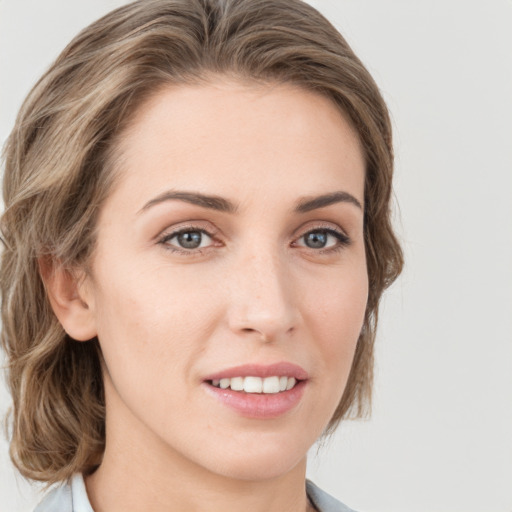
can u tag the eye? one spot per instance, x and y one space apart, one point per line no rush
323 239
188 239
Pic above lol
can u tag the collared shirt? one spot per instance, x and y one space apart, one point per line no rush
72 497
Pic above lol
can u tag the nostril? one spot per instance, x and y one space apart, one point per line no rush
250 330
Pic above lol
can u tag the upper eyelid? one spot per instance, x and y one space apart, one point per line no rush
325 225
166 237
192 226
212 232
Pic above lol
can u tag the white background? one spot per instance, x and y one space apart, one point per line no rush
441 434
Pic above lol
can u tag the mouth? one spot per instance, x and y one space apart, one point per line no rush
253 384
259 391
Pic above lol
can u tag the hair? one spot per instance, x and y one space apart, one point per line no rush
59 168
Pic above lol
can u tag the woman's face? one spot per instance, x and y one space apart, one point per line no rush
230 264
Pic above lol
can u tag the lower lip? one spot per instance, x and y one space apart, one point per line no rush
259 405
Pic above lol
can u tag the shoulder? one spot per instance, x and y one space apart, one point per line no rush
324 502
57 500
71 496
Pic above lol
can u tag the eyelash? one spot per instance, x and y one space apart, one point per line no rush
342 238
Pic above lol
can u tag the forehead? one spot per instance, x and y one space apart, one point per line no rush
239 135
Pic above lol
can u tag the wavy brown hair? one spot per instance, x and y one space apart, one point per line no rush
59 168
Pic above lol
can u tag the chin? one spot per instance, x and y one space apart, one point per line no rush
262 459
259 469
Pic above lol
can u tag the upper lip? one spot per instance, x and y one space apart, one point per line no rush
280 369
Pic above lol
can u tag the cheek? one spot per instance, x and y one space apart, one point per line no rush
335 314
146 322
151 336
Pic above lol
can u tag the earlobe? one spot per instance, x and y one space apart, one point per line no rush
71 302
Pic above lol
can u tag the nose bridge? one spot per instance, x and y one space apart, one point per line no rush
262 298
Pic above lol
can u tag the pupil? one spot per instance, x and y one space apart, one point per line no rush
190 239
316 240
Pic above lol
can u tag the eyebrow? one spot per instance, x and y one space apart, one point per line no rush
309 204
211 202
224 205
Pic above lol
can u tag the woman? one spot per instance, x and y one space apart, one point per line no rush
197 235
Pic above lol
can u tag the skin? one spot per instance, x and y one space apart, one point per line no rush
254 292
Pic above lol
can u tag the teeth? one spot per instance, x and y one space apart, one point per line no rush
271 385
237 383
268 385
291 383
252 385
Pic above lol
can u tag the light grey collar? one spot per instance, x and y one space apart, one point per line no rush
72 497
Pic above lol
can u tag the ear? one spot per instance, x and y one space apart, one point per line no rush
70 297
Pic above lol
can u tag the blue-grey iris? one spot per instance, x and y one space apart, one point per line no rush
190 239
316 239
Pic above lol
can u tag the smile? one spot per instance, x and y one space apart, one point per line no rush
259 391
268 385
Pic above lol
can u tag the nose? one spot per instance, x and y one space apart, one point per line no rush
262 302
